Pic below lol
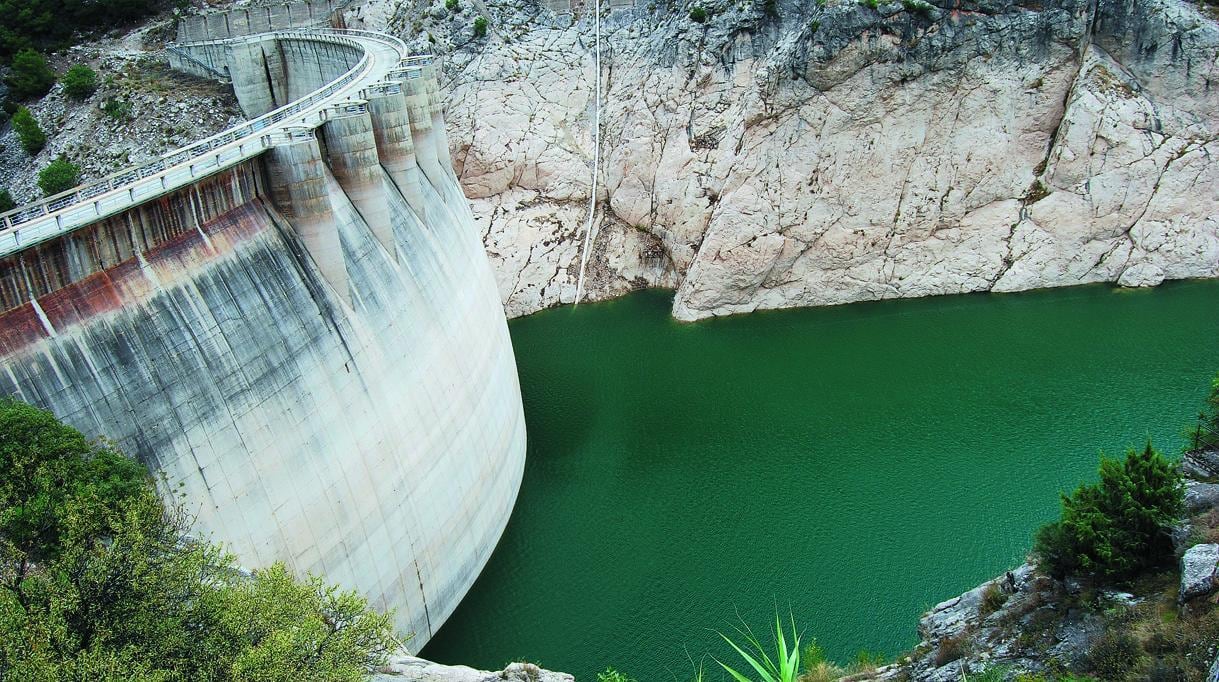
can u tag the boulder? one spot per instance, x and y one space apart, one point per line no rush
1198 571
1141 275
403 667
1200 497
1202 464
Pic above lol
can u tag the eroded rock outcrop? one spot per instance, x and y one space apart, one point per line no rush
785 153
406 668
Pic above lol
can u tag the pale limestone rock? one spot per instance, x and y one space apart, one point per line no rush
1198 571
1200 497
754 163
1141 275
406 668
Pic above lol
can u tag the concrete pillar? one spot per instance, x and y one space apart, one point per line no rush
260 20
319 11
351 153
299 12
248 69
418 105
217 26
298 188
280 19
239 22
392 129
431 81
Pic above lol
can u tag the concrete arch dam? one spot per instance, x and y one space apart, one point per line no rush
294 321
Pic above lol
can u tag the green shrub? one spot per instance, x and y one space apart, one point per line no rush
1114 655
100 581
117 109
79 82
950 649
29 75
452 5
781 665
871 4
480 27
918 6
52 23
28 131
698 14
611 675
818 668
1116 528
993 598
6 201
60 175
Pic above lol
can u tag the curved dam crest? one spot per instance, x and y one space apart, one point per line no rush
307 344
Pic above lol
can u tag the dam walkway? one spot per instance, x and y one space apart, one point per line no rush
88 203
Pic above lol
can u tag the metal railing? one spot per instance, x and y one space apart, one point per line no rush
62 212
216 73
1203 435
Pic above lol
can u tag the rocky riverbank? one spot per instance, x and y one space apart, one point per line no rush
403 667
1162 627
789 153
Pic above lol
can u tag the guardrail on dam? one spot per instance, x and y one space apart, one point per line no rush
293 320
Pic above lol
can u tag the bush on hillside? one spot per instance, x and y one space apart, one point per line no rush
60 175
480 27
6 201
28 131
99 580
52 23
1117 528
698 15
117 109
79 82
29 76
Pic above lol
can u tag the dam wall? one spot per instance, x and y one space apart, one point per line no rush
260 18
307 346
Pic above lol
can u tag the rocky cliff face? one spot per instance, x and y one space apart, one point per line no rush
785 153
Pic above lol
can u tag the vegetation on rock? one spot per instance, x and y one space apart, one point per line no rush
51 23
60 175
480 27
6 201
28 131
1119 527
79 82
100 580
29 75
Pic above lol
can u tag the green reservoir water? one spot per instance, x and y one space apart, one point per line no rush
855 464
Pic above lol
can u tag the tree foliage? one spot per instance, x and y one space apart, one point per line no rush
79 82
60 175
99 580
6 200
1116 528
1207 433
51 23
28 131
29 75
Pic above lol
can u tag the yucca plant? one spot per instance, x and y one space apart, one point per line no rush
785 665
